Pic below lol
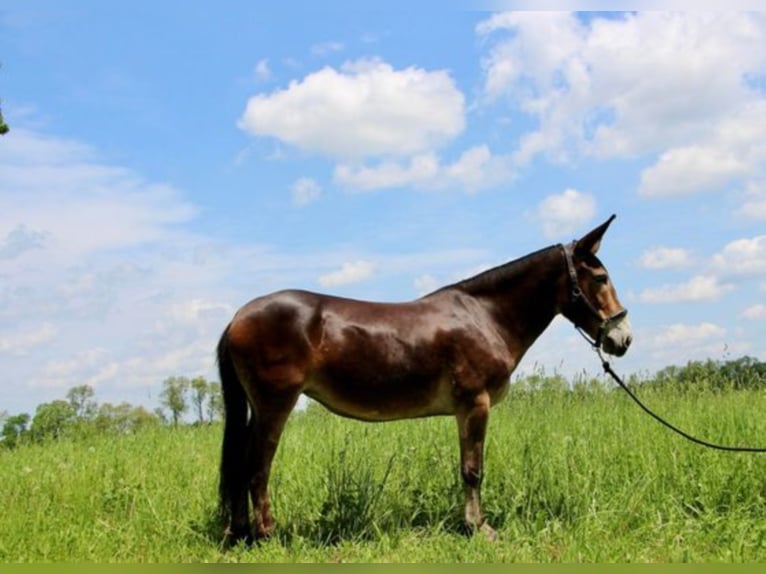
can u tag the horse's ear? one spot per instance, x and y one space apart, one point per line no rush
591 241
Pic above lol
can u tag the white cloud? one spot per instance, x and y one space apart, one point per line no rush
60 373
103 370
326 48
65 215
684 335
530 53
92 250
366 108
563 214
352 272
59 190
478 168
422 170
754 209
475 169
733 151
685 170
304 191
22 341
198 311
263 71
754 200
738 259
19 240
641 83
745 256
755 312
698 288
665 258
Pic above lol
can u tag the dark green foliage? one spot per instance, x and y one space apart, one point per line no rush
745 373
53 420
14 430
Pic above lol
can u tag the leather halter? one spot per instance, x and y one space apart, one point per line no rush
576 296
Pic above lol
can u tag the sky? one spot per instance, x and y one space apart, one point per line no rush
169 161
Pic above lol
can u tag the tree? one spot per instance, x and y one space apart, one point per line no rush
123 418
214 402
173 396
161 416
52 420
14 428
199 389
81 400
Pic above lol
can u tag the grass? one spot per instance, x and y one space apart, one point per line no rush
570 477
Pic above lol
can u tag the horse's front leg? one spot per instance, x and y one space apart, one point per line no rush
472 417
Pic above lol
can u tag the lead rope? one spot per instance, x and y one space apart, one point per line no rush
609 371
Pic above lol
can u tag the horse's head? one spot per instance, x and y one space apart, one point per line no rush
591 302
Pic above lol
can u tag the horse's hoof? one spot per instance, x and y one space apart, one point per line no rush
234 537
489 532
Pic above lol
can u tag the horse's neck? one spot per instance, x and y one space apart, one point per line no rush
525 304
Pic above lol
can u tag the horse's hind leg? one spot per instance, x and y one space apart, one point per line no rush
272 413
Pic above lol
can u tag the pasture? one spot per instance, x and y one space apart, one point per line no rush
571 476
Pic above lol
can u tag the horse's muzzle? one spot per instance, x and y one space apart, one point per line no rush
617 337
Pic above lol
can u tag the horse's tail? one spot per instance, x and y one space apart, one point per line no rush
233 477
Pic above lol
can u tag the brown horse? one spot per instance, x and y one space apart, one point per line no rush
448 353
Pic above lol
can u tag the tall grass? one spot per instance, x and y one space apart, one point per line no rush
577 475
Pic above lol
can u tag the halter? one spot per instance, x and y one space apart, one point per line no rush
577 296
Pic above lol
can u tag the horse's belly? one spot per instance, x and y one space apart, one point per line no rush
377 401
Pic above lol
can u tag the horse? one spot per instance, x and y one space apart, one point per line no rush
450 352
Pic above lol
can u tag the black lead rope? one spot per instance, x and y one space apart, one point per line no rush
608 370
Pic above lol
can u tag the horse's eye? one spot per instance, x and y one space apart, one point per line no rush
601 278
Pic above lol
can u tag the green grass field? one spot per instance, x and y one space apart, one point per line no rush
570 476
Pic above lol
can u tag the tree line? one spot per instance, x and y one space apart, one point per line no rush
79 414
744 373
197 401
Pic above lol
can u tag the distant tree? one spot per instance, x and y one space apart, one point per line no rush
736 374
123 418
173 396
199 392
81 400
140 418
14 428
109 417
214 402
4 129
52 420
161 416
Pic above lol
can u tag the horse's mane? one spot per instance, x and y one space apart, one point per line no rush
494 278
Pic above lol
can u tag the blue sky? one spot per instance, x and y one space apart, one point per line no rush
169 161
